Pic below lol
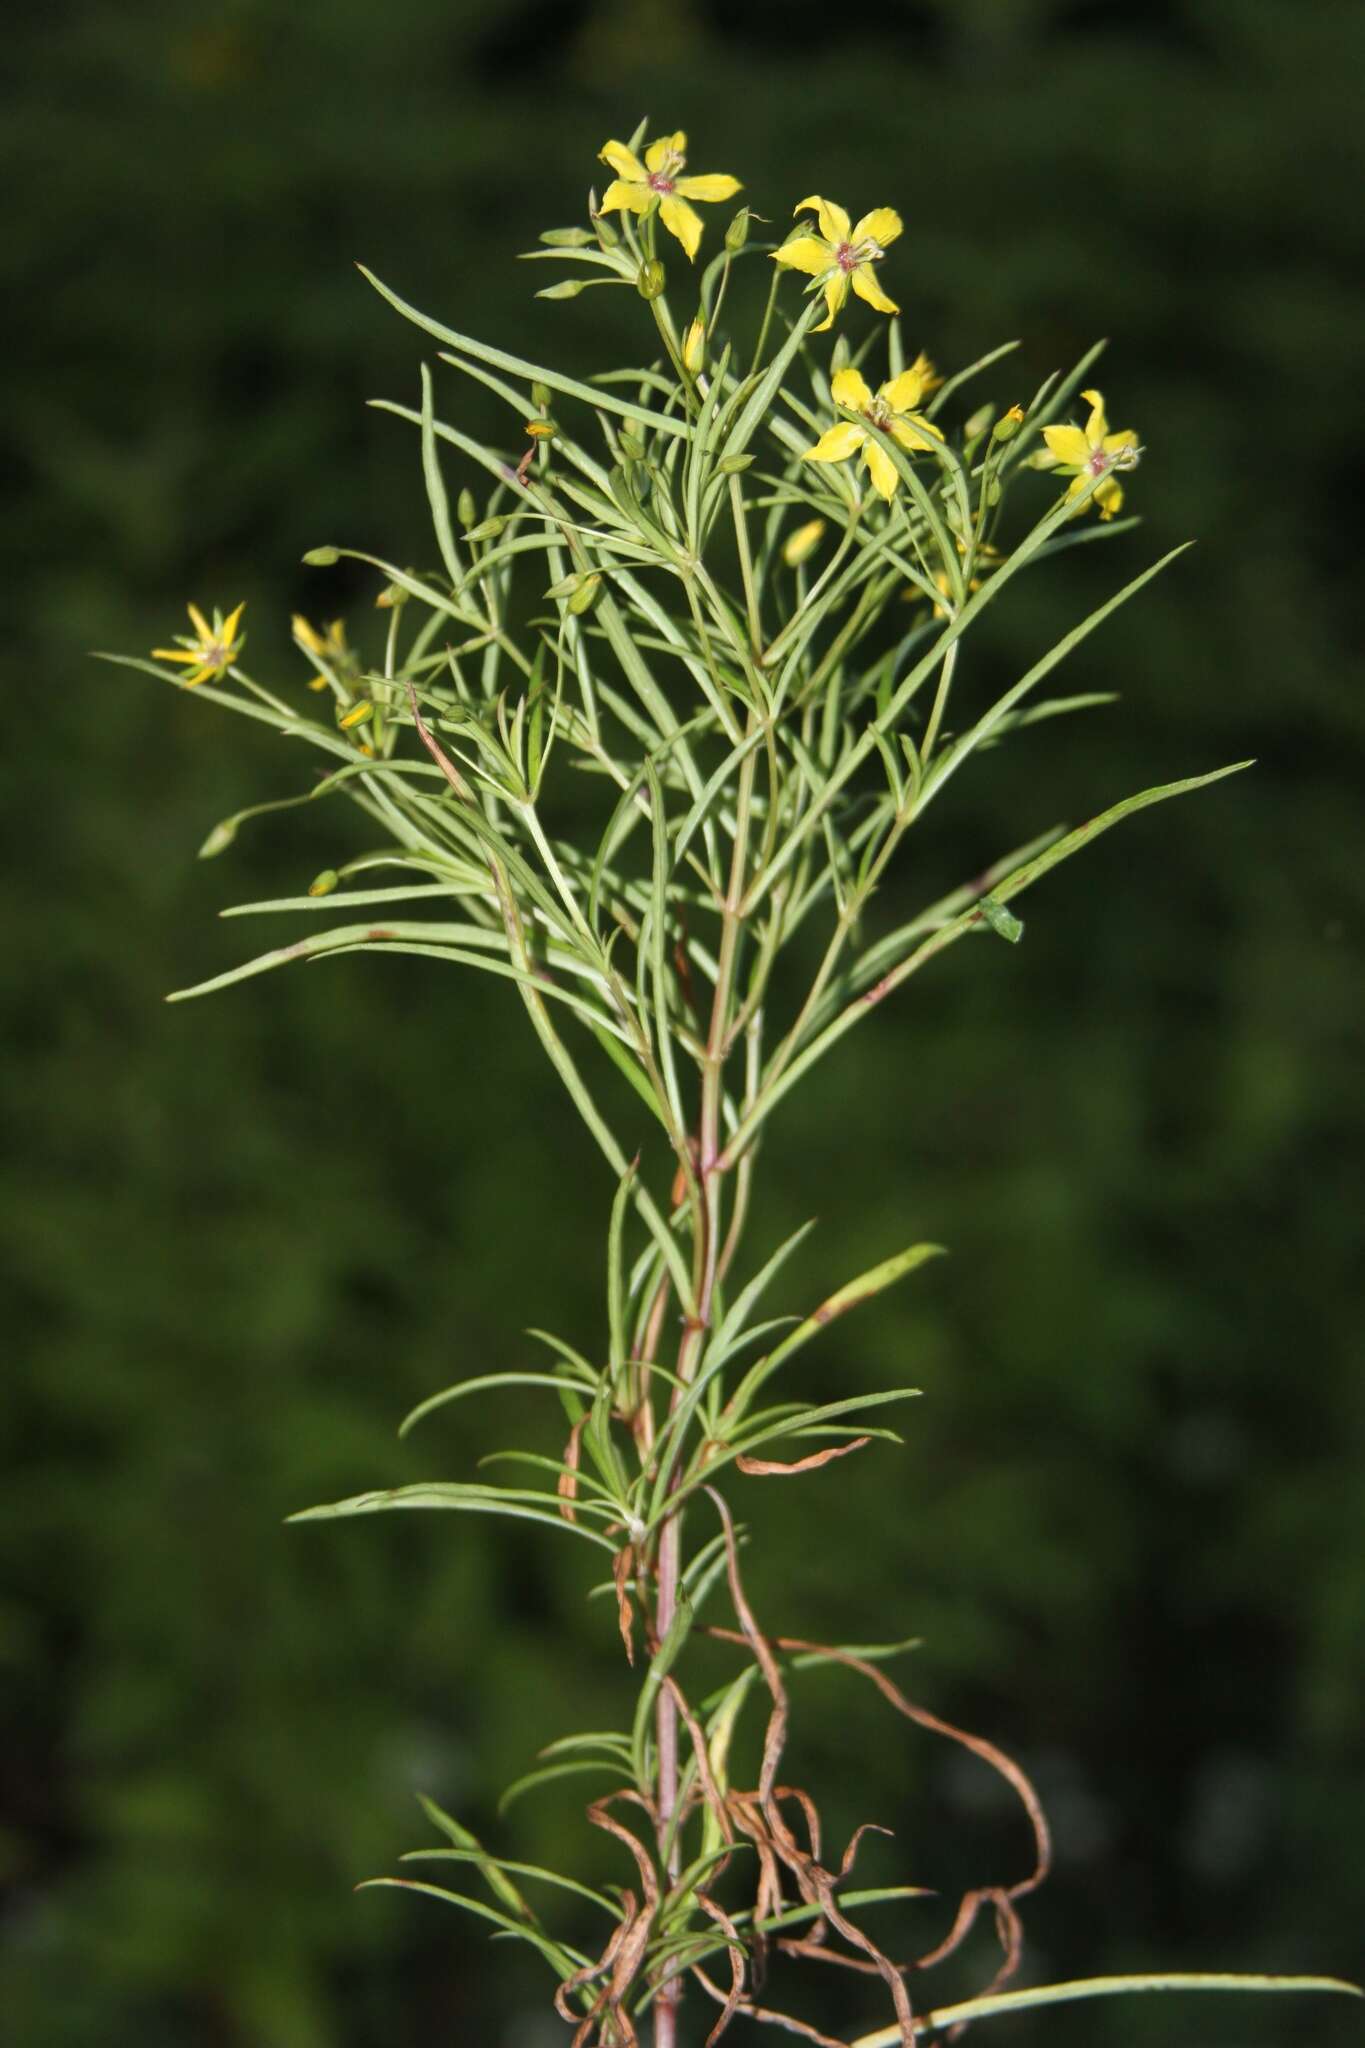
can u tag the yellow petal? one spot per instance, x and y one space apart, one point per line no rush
865 284
914 432
174 654
623 194
836 291
904 393
882 225
1097 426
833 219
199 622
836 444
711 187
306 635
230 624
623 161
925 369
1115 443
1077 485
882 470
1109 497
678 217
804 252
851 390
664 146
1068 444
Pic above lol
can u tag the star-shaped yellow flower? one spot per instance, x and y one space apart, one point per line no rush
892 410
658 181
1084 453
842 254
327 648
212 652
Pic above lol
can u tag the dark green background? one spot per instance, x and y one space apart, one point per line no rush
243 1237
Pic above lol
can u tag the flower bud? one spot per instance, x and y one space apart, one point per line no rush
540 396
731 465
466 508
737 234
357 715
322 558
586 594
219 839
651 279
693 347
979 421
1008 424
323 884
839 354
487 529
801 545
566 238
567 288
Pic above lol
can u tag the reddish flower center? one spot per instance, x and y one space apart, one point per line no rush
659 181
1099 462
846 256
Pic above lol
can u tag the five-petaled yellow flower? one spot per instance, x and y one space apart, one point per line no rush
892 410
213 650
1083 453
842 254
658 181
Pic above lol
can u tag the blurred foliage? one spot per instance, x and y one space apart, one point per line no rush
242 1238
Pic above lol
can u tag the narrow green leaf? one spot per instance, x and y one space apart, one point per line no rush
1099 1987
477 1386
517 1503
498 1866
469 1847
559 1955
875 1281
660 423
435 483
616 1267
547 1773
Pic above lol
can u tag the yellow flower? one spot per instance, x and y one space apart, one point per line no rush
892 410
212 651
841 254
1083 453
640 187
328 646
